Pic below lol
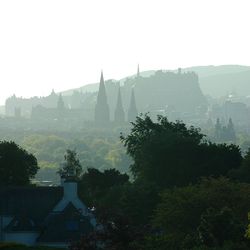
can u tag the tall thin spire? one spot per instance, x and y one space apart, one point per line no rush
132 110
102 108
138 70
102 79
119 111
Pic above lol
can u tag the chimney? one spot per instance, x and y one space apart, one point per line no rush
70 195
70 189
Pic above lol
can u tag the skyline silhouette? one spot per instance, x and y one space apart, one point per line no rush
55 44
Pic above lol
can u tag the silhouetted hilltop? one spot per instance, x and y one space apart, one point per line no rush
223 84
211 70
214 80
158 91
93 87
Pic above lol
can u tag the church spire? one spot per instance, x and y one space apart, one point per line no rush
102 108
132 110
119 111
102 79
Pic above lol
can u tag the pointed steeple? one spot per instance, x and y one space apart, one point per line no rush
119 111
132 110
138 70
102 108
102 78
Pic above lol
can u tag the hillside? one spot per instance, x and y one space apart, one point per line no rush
214 80
219 85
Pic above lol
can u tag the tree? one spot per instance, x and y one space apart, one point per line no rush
243 173
170 154
95 185
219 226
117 234
94 178
204 214
71 167
17 166
138 200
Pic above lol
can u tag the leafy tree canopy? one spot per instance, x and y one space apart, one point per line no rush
17 166
71 167
95 179
170 154
209 213
95 185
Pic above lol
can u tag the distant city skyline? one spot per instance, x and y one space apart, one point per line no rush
59 45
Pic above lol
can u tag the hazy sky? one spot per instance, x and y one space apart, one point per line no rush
64 44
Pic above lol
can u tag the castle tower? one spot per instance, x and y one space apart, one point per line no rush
102 108
119 111
132 110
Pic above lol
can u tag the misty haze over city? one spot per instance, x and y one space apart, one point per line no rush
63 45
124 125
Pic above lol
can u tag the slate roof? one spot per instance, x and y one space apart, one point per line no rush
33 203
65 226
32 209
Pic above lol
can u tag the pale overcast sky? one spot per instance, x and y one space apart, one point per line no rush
47 44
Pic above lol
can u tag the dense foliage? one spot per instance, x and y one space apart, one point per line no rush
185 192
97 148
204 214
17 166
171 154
178 199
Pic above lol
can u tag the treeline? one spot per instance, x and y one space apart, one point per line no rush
186 193
99 148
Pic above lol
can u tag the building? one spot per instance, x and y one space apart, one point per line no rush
132 110
119 115
48 216
102 114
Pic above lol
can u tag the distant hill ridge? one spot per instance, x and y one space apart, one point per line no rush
154 91
214 80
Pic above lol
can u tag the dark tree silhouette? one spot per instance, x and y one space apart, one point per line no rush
94 178
17 166
170 154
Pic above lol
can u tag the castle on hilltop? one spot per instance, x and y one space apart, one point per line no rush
176 94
